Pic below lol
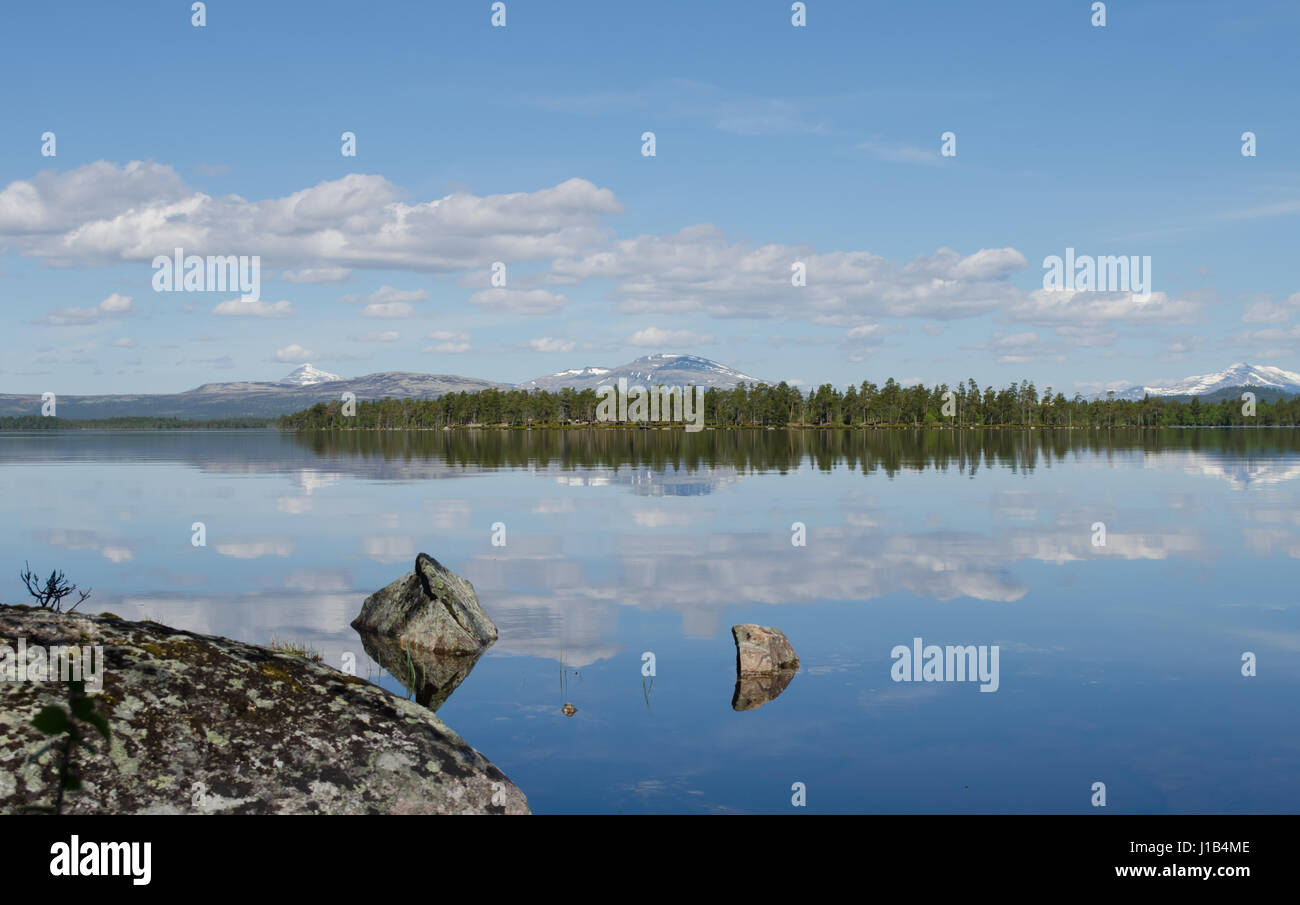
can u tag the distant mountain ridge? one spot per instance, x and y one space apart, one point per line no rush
1237 375
251 399
664 368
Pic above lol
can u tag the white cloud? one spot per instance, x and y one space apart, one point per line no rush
101 213
1054 306
387 295
387 310
115 304
112 306
242 308
1272 312
449 335
294 353
323 276
655 337
551 344
520 301
699 270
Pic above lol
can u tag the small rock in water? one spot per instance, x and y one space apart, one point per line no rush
431 608
765 665
762 649
568 709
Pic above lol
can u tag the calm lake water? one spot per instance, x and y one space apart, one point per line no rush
1119 664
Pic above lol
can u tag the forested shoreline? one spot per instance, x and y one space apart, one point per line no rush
128 422
762 405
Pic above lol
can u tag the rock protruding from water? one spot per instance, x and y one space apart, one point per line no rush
765 665
201 724
432 609
762 649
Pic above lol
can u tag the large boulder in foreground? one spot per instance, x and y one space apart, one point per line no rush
431 608
201 724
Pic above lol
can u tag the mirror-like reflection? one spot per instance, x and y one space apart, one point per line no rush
430 677
1120 661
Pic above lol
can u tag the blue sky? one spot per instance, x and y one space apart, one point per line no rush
522 144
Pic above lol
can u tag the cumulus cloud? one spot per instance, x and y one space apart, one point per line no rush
699 270
387 295
114 305
387 310
450 342
323 276
1056 306
520 301
294 353
551 344
102 212
655 337
1271 312
242 308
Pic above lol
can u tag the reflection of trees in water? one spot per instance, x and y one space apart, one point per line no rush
669 462
664 452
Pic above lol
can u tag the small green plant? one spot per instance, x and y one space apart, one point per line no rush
50 595
296 649
68 726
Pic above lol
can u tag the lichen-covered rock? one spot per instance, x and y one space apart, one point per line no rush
432 608
762 649
201 724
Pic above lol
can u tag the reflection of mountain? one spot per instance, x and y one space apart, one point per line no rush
1243 474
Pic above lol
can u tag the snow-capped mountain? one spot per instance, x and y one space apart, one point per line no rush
664 368
306 376
1237 375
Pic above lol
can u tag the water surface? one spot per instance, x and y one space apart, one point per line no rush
1119 664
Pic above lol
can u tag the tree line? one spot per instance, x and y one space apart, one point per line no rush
126 422
783 405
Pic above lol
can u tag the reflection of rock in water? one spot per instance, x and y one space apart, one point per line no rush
756 690
765 664
429 675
